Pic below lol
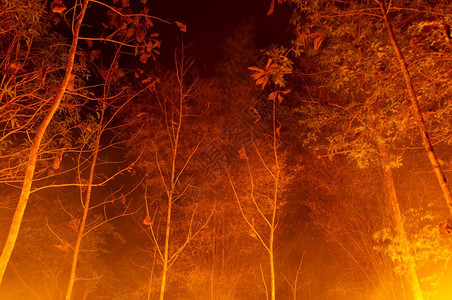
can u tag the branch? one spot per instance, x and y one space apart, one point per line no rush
244 216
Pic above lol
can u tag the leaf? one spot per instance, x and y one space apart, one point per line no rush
255 69
149 80
89 43
242 154
57 6
57 159
147 221
70 85
144 58
272 96
318 39
119 72
285 92
182 27
148 21
74 224
272 7
130 32
150 46
63 246
268 64
95 54
140 33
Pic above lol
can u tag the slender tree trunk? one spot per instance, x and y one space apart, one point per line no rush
223 239
275 203
151 277
166 250
397 223
212 263
272 267
271 253
417 111
34 149
173 177
86 204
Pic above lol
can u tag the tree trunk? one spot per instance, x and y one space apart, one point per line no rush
417 112
398 226
166 251
212 262
34 149
86 204
272 268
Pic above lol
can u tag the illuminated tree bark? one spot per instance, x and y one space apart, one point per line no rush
173 177
417 111
276 177
398 226
86 207
174 128
34 149
267 240
106 103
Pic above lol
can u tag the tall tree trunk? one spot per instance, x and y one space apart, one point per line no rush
398 226
417 111
34 149
166 250
275 203
173 178
271 240
86 204
212 262
151 277
271 257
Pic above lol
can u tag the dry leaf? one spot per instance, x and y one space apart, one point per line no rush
144 58
272 96
130 32
70 84
74 224
272 8
182 27
140 33
57 6
95 54
57 159
89 43
64 246
147 221
242 154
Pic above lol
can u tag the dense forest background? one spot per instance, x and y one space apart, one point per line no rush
298 151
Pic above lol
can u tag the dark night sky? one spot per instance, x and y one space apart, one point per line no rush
210 21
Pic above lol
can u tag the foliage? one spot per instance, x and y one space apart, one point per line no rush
355 87
432 250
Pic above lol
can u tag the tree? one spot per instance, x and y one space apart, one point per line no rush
166 161
127 29
34 149
417 109
378 119
92 133
266 202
